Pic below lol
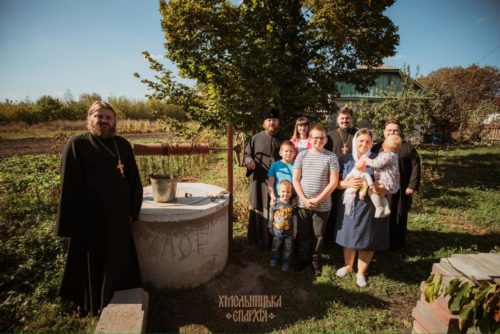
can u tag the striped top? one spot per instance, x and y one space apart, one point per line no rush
315 174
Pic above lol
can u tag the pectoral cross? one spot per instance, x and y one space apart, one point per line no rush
345 149
121 166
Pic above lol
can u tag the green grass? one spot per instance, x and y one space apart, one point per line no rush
456 211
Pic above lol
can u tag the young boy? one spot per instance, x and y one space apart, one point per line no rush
280 170
283 226
315 176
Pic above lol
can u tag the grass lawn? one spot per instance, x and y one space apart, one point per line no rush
456 211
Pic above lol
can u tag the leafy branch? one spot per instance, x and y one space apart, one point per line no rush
477 305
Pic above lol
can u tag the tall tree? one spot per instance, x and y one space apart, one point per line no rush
288 53
466 94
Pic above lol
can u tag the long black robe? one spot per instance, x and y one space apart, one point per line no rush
335 144
263 149
95 205
409 171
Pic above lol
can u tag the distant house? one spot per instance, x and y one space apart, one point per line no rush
387 77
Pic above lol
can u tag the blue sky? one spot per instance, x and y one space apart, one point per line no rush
48 47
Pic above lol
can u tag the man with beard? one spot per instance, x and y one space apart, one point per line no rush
340 143
101 194
409 181
340 139
260 153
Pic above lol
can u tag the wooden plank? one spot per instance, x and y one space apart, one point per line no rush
492 271
445 269
427 319
418 328
470 268
440 310
491 260
474 260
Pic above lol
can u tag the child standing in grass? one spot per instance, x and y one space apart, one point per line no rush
280 170
315 176
283 226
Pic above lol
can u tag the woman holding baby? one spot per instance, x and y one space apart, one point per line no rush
358 231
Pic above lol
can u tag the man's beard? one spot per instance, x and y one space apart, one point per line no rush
104 132
271 131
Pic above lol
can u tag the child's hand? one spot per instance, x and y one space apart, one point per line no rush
310 204
273 200
271 231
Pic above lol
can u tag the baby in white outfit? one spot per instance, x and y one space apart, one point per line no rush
386 166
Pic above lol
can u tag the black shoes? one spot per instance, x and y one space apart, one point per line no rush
316 265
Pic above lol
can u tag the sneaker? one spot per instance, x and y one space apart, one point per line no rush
361 281
342 272
316 265
317 270
273 262
284 267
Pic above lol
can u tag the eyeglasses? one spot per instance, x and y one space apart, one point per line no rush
317 138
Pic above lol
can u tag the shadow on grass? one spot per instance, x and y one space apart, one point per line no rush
200 309
480 170
303 299
423 248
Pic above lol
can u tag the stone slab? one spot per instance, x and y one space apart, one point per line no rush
126 313
202 200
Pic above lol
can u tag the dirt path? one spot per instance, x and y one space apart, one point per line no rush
25 146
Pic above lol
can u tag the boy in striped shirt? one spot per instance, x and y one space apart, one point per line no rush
315 176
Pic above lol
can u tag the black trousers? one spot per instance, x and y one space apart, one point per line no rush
310 231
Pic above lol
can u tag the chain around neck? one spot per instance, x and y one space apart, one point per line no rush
107 148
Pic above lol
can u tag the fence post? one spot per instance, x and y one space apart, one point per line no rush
230 180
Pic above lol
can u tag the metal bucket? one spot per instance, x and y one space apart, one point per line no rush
164 187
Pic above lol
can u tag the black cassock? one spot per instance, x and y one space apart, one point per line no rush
409 171
336 139
95 205
264 150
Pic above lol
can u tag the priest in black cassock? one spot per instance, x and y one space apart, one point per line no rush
101 194
260 153
409 178
340 139
340 143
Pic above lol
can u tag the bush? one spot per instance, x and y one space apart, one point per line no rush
31 257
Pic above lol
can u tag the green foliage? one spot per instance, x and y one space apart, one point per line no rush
433 287
409 104
285 53
31 257
477 306
463 93
22 111
48 108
